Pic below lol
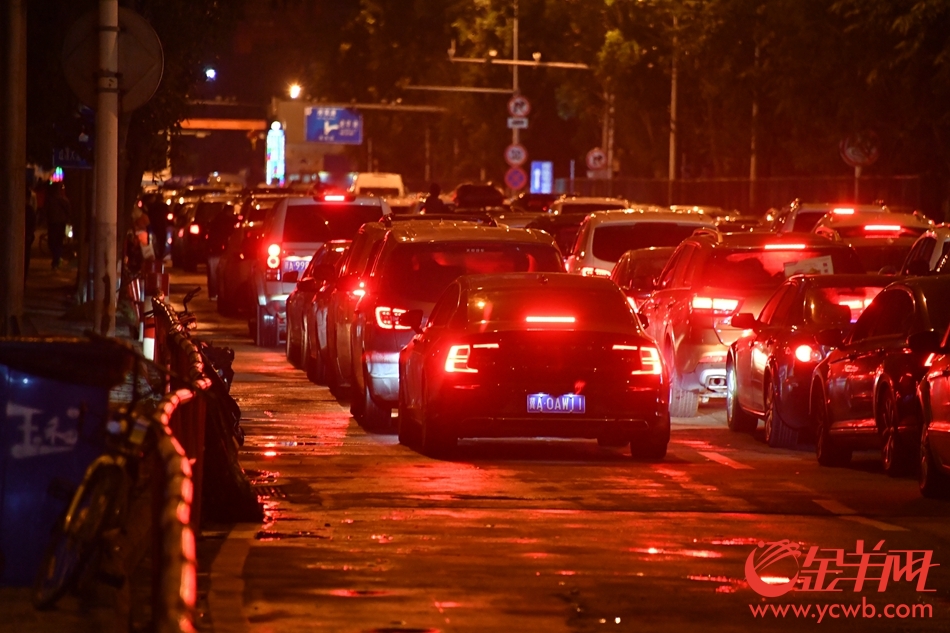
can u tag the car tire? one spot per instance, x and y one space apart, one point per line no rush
313 365
828 452
653 448
435 438
777 433
737 419
375 417
267 335
292 350
895 456
683 403
933 482
407 431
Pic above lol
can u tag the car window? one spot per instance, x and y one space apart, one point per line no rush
896 316
421 272
677 263
823 306
581 242
446 306
789 309
805 221
324 222
585 208
745 268
360 251
768 311
539 307
613 240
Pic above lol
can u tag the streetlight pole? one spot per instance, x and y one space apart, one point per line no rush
515 90
672 173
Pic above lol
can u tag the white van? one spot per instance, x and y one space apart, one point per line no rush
380 185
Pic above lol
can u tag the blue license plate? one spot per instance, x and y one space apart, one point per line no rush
568 403
296 264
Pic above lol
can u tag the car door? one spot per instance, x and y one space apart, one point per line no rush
771 336
669 301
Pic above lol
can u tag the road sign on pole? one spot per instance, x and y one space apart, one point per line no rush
517 123
516 178
516 155
334 125
596 159
519 106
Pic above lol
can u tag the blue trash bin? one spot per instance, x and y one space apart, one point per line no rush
54 397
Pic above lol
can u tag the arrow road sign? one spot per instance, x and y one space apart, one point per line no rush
516 178
518 106
334 125
516 155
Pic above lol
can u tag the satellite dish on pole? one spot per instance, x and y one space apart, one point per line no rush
141 61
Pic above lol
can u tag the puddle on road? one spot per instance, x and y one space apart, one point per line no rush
357 593
725 583
735 541
265 535
690 553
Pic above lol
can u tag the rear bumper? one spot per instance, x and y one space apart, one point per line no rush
382 377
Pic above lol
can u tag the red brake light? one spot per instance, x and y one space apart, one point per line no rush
273 256
784 247
715 305
388 318
806 353
650 363
170 217
843 211
590 271
194 229
882 228
457 360
334 197
550 319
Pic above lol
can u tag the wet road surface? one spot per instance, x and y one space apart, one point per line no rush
363 534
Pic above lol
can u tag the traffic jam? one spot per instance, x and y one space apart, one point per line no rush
600 319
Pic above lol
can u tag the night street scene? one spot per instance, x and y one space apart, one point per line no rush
465 316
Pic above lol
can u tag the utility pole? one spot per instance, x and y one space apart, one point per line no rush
672 173
753 166
515 90
12 164
107 168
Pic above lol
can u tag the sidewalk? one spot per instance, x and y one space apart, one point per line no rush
49 301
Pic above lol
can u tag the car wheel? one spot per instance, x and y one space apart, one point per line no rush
683 403
266 328
375 417
737 419
291 349
777 433
313 365
653 448
408 433
933 482
827 450
894 453
436 440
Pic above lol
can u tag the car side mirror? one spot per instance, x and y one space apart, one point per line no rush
926 342
290 277
412 319
832 337
746 321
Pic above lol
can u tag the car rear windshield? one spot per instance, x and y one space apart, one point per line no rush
258 210
586 208
805 221
837 307
759 268
420 272
381 192
324 222
542 308
206 211
612 241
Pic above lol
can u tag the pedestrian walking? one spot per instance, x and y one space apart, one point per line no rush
58 212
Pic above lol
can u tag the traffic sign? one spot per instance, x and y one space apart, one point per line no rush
596 159
516 178
517 123
861 149
516 155
518 106
334 125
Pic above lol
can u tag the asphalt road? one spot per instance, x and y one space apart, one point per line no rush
363 534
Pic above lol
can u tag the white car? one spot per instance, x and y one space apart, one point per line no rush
604 236
930 253
881 239
294 229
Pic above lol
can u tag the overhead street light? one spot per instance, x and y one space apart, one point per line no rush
294 91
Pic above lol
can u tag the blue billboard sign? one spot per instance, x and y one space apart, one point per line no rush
542 176
334 125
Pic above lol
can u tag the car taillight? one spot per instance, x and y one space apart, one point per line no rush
181 232
388 318
715 306
590 271
457 360
333 197
650 363
843 211
550 319
784 247
170 217
807 354
194 229
273 256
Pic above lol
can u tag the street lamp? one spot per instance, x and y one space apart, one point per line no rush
295 90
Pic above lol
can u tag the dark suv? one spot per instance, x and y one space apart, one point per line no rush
710 278
416 262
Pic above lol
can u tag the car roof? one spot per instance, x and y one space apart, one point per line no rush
590 200
648 214
553 281
835 220
831 206
758 240
296 200
463 231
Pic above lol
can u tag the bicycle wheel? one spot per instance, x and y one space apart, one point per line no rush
74 537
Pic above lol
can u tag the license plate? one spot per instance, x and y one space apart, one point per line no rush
296 264
568 403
